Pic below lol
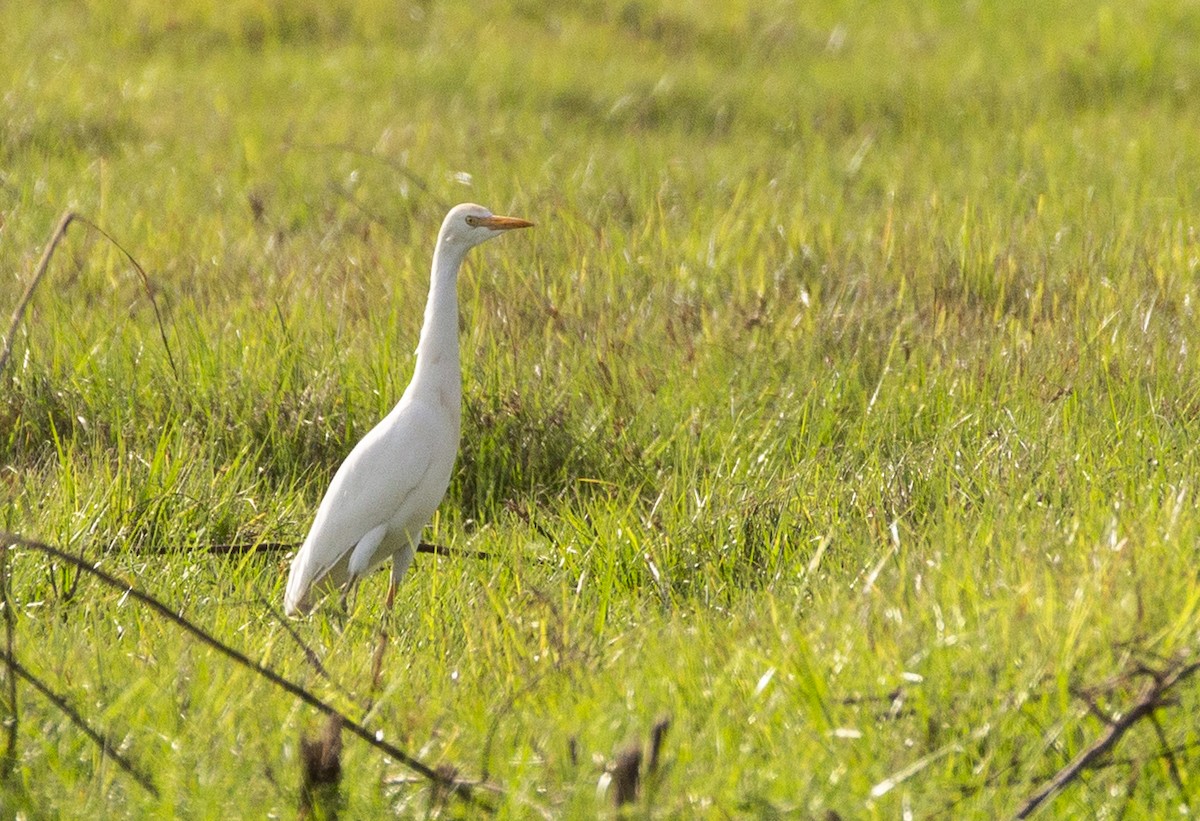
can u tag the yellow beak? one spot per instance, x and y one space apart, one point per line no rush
497 223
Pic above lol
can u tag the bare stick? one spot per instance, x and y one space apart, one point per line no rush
456 786
10 618
1149 700
39 271
321 772
626 775
238 548
79 721
657 734
162 332
1169 755
310 654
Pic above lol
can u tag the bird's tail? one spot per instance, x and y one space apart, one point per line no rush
303 582
296 601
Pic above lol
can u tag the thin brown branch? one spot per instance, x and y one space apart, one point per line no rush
310 655
1152 697
9 762
658 734
1167 753
79 721
162 331
452 552
321 772
626 775
39 271
1162 755
458 787
240 548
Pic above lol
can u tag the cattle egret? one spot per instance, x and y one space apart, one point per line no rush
386 491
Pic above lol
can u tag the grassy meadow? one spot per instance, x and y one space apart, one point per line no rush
843 406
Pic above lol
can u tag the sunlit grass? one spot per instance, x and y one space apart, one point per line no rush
841 406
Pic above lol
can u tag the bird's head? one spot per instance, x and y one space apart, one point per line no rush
468 225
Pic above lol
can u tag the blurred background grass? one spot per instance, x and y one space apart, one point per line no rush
855 343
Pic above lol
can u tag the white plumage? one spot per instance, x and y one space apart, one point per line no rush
388 488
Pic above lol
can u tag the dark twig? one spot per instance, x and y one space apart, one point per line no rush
626 770
240 548
79 721
39 271
145 285
321 772
1169 755
658 734
10 622
162 331
461 788
310 655
1163 754
626 775
1153 696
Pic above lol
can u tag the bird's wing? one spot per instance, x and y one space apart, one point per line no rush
380 479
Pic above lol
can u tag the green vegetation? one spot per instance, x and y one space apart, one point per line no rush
843 405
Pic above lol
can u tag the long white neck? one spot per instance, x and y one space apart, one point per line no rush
438 373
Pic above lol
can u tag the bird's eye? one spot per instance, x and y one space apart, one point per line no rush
472 221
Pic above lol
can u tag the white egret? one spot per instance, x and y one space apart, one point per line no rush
388 488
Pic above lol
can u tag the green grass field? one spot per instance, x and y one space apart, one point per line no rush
842 407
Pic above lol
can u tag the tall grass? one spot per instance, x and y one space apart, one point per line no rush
841 405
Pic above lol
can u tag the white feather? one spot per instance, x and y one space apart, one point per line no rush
387 490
